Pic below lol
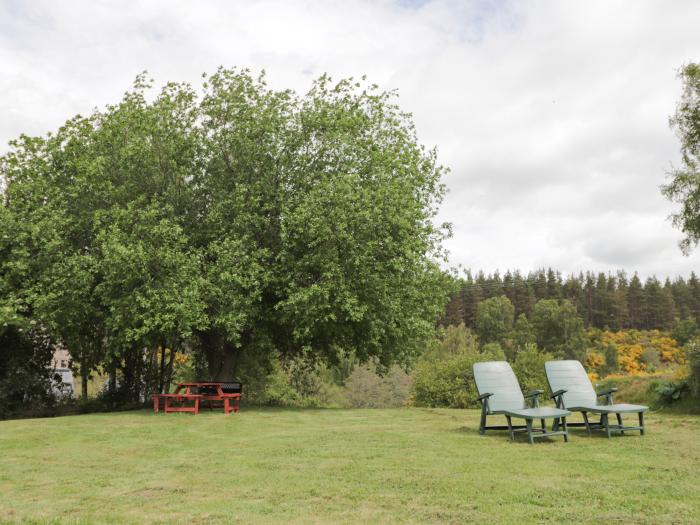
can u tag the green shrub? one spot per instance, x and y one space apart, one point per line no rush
692 352
650 357
445 379
529 368
367 389
684 331
28 386
612 364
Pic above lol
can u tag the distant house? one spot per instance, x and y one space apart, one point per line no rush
61 365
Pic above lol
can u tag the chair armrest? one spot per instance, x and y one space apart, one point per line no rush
608 395
484 396
606 392
558 393
535 397
534 393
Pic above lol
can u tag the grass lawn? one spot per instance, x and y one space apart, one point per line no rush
340 466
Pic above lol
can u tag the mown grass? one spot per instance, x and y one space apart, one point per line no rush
339 466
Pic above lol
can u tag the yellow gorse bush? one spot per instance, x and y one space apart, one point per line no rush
631 345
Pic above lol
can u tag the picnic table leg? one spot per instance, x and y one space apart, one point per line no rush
641 423
196 406
226 410
235 404
619 422
155 404
566 431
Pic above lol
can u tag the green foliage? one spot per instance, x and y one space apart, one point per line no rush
444 378
241 223
455 340
650 357
529 368
494 350
610 302
523 335
494 319
684 330
559 329
684 187
364 388
612 364
692 351
27 383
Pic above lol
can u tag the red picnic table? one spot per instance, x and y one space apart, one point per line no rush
210 392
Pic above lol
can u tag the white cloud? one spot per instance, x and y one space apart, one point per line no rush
551 115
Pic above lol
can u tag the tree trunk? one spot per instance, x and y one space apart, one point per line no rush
227 371
84 378
169 371
161 375
113 377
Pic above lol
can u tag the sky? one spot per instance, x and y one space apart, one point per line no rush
552 116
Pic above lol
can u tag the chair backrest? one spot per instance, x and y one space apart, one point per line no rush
497 378
570 375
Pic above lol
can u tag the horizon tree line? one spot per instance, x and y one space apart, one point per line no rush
605 301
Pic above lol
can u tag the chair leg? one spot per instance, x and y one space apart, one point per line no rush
555 425
510 428
585 420
528 422
641 423
619 422
606 423
566 430
482 424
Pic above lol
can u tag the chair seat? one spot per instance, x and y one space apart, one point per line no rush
618 408
537 413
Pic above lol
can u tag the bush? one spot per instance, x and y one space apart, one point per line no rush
445 378
684 331
612 364
366 389
692 351
650 358
529 368
28 385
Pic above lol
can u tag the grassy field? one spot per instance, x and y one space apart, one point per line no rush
340 466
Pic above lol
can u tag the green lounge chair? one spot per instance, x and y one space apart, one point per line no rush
499 393
572 390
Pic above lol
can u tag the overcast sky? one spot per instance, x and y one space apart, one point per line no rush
552 116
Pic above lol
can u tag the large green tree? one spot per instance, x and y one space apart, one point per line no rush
239 224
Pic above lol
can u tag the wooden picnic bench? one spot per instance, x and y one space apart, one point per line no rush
228 394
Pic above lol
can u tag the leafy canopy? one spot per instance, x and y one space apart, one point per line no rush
241 222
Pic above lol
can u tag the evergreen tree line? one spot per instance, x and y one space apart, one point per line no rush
606 301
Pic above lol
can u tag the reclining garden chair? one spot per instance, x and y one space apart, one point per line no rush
499 393
572 390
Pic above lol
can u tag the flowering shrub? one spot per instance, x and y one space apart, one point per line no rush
635 347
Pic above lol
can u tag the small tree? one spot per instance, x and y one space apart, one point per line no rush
494 319
684 187
559 329
612 364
